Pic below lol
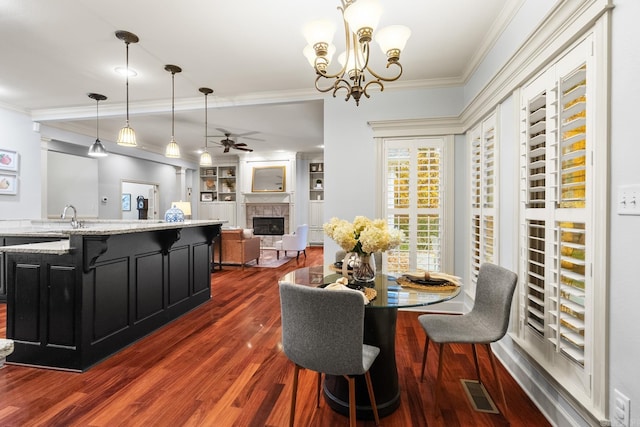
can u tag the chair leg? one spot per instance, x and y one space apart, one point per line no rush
475 359
318 391
292 414
497 378
352 400
435 392
424 357
372 398
277 254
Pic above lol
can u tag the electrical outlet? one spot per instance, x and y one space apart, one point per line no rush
629 200
621 410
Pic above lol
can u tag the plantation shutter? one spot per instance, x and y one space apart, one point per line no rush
483 197
414 194
556 288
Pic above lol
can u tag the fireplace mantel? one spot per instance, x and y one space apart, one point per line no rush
267 197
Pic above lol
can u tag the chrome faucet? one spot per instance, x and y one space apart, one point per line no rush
74 221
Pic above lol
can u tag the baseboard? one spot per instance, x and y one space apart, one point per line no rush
550 401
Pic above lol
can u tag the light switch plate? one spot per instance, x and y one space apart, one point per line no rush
621 410
628 200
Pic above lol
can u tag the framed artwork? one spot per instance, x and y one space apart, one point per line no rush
206 196
126 202
8 160
8 184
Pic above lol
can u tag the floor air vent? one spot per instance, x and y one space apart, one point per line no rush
478 397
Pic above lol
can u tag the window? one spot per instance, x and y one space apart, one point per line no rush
483 163
558 310
415 196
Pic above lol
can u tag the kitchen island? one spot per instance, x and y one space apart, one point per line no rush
81 295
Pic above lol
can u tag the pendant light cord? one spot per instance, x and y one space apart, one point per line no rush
127 82
173 89
97 122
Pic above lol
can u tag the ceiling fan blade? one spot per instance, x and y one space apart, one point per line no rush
247 133
253 139
243 149
240 144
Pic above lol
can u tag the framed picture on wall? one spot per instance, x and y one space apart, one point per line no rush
8 184
8 160
206 196
126 202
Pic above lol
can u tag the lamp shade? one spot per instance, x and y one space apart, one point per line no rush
185 207
393 37
97 149
127 137
320 31
363 14
173 150
205 159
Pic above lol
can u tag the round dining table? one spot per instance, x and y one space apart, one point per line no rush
379 330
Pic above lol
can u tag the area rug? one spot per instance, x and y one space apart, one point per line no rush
268 259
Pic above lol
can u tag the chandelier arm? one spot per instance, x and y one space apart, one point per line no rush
331 87
387 79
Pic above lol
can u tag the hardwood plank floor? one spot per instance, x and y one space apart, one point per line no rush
221 365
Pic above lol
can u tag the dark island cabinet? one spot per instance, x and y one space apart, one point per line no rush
15 240
73 310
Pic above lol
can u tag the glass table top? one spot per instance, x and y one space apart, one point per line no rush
389 293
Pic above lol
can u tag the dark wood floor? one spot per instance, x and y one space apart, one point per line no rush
221 365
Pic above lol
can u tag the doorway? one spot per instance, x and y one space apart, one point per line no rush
131 190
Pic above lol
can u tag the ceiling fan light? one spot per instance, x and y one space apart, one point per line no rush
205 159
127 137
97 149
173 150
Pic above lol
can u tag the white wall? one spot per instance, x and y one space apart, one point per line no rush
18 136
624 339
349 153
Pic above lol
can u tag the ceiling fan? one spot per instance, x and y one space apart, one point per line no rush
229 143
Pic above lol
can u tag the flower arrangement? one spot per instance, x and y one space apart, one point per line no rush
363 236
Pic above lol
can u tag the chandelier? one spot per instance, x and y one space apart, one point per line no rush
356 76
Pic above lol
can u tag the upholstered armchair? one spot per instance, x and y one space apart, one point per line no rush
239 247
296 241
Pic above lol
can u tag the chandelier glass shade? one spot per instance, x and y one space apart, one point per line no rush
97 149
173 149
205 157
356 77
127 136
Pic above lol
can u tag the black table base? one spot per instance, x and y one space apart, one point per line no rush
380 331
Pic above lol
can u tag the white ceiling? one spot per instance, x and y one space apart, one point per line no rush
249 52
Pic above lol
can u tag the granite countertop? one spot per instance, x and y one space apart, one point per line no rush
62 230
57 247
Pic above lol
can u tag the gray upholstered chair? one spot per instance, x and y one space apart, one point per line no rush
487 322
323 331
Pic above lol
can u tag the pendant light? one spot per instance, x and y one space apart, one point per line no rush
97 149
127 136
173 150
205 157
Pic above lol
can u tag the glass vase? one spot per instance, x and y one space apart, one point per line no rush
364 268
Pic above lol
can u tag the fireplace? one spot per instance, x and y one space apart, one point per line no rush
268 226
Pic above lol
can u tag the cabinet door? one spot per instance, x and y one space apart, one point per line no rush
316 214
225 212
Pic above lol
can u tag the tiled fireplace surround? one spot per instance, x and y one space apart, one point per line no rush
268 210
